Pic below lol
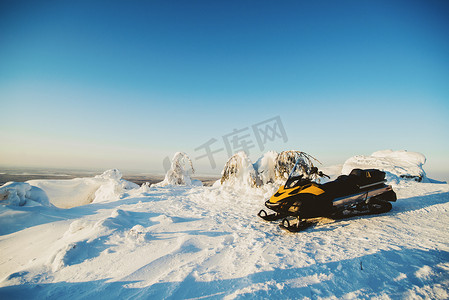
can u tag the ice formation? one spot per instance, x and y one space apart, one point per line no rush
180 172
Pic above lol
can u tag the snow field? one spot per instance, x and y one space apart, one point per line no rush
188 243
195 242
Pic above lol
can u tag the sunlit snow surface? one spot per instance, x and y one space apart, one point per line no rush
185 242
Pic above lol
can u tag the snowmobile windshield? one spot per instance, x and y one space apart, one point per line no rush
292 181
300 169
296 181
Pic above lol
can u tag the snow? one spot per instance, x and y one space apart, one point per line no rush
265 167
180 172
195 242
286 161
239 171
397 164
21 193
271 168
81 191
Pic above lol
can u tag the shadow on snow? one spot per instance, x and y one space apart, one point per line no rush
394 273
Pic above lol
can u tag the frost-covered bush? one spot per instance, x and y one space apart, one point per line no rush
239 170
397 164
180 172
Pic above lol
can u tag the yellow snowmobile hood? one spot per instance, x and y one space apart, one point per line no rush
283 192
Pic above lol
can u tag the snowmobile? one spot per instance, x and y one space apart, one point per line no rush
301 200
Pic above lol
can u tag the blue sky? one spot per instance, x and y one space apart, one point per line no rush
127 83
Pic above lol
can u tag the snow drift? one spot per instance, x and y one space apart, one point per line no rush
397 164
22 193
67 193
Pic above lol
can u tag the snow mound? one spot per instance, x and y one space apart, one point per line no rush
239 170
113 174
81 191
180 172
21 193
397 164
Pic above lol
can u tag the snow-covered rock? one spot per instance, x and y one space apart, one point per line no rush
397 164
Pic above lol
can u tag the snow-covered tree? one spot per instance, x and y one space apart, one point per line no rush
272 167
286 160
239 170
180 172
265 167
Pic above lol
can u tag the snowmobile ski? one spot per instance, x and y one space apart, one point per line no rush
296 225
270 217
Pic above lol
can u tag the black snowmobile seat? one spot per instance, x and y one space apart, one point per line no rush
350 184
367 176
343 185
